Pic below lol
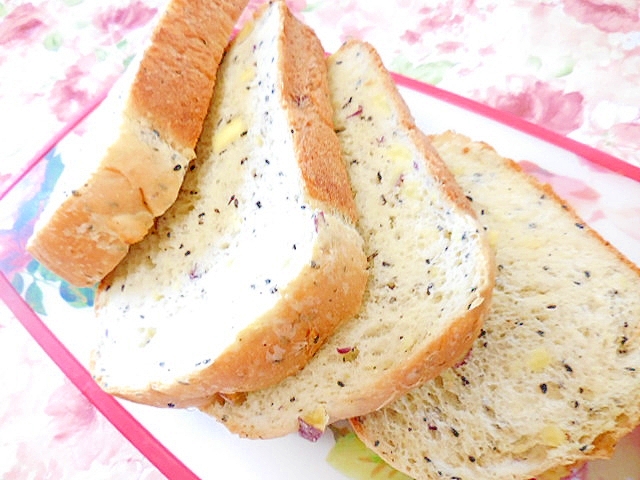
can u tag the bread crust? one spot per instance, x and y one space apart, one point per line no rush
306 94
81 242
183 57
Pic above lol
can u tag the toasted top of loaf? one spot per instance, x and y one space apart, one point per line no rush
139 143
430 267
257 262
553 377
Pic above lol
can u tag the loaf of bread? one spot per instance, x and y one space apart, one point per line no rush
430 265
258 261
138 145
553 378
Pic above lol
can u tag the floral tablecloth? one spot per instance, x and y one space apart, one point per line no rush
572 66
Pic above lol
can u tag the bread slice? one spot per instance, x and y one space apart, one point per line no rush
430 265
140 141
553 377
258 261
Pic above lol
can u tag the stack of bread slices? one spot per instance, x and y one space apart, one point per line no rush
277 244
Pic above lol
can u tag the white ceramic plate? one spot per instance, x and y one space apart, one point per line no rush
182 441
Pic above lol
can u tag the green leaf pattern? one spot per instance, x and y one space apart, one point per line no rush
29 283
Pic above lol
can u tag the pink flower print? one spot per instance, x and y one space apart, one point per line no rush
30 463
411 37
449 47
13 257
4 180
67 96
116 23
565 187
74 423
70 412
621 139
442 15
75 91
606 15
297 6
21 25
540 103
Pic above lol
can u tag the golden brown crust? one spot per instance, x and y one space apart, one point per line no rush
285 338
183 57
91 231
307 101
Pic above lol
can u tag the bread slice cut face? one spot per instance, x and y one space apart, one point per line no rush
430 268
553 378
258 261
131 162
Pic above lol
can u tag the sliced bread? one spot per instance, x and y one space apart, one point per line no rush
430 266
553 379
139 142
258 261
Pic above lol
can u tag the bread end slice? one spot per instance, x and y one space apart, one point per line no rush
147 129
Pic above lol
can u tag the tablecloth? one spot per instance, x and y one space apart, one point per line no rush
572 66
